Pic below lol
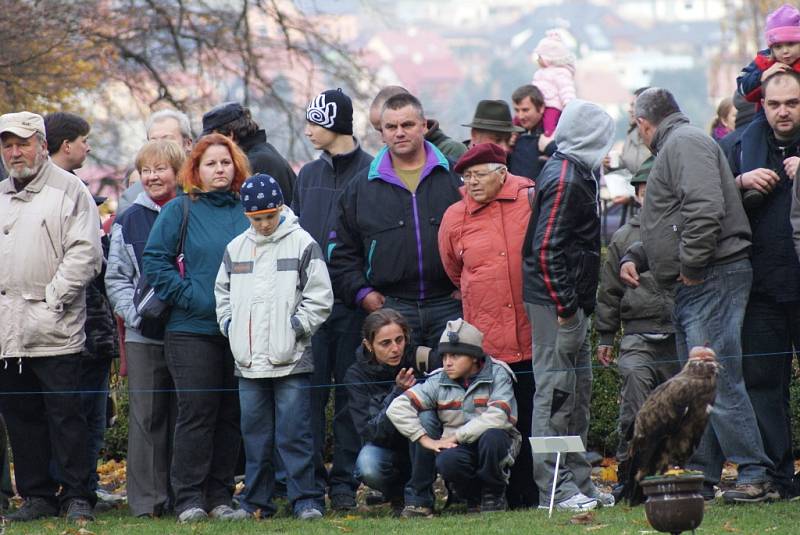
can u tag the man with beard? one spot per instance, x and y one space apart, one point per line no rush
50 238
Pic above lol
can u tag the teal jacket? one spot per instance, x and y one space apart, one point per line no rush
215 218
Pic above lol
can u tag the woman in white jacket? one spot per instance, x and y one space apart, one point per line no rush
273 292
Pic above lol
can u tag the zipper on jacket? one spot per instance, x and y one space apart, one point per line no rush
50 239
419 246
369 257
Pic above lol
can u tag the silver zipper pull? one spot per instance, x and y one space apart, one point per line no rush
19 362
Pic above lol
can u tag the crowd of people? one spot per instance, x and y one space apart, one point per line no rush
445 289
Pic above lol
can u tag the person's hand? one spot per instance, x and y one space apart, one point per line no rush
621 199
605 355
438 445
689 282
544 141
456 294
776 67
373 301
629 275
564 321
405 378
790 164
760 179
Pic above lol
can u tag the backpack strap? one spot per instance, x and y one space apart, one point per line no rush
184 224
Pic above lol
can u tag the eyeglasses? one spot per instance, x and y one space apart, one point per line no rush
479 175
160 170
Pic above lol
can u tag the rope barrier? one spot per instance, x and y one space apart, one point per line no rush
387 382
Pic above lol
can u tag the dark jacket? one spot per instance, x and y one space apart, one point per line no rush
319 185
215 218
264 158
692 216
371 388
561 252
645 309
386 239
526 160
776 269
450 147
100 327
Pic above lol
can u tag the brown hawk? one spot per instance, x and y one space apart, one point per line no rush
672 420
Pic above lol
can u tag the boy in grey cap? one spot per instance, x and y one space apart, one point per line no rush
473 397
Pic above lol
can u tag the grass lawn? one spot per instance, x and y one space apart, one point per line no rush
720 519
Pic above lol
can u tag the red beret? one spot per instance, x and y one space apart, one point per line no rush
482 153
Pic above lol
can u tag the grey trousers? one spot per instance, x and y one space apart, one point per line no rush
151 425
563 376
643 365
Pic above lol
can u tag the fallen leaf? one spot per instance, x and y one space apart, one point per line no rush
598 526
727 527
582 518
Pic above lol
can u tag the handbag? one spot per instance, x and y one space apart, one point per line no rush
153 311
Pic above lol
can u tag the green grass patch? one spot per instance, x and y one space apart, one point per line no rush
768 519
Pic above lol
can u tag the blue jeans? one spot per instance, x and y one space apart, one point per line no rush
712 313
427 319
406 470
334 347
276 415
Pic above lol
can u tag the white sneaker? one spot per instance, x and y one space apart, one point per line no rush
226 512
309 513
604 499
577 504
192 514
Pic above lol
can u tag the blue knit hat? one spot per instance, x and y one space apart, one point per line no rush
261 194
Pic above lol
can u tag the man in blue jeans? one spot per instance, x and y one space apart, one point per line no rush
696 239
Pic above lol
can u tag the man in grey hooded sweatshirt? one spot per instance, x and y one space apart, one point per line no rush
696 242
561 263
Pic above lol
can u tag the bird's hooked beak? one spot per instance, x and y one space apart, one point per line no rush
702 353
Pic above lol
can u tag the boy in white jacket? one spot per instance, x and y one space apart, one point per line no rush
273 292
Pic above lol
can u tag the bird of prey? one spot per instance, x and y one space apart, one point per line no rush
671 421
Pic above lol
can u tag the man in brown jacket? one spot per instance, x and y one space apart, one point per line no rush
50 243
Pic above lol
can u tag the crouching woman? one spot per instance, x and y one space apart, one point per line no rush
386 366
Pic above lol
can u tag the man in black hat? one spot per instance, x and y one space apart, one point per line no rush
492 124
234 120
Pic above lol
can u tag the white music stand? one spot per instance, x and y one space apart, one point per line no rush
557 445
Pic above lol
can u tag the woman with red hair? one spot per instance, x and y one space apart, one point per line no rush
207 439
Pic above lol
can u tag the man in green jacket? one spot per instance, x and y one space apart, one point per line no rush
647 355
